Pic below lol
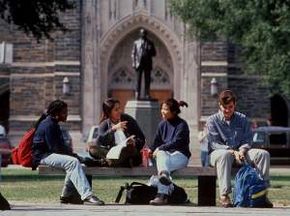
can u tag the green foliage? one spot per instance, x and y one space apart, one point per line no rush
39 17
261 27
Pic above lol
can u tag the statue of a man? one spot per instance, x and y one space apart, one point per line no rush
142 53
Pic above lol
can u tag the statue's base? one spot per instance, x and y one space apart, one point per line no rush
147 114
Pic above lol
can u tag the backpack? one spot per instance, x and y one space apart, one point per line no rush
22 154
250 188
141 194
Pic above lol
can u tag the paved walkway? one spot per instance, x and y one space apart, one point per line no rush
26 209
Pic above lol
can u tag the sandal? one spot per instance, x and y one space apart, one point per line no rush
226 201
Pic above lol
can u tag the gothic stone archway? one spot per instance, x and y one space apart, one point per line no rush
122 77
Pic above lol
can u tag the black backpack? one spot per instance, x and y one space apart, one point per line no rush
141 194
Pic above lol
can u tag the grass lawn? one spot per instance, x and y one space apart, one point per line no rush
26 185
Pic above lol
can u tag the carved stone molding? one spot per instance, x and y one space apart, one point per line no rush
110 40
130 23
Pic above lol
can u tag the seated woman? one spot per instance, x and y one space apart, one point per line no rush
170 147
115 127
49 149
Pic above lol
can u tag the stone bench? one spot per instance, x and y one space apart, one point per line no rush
206 177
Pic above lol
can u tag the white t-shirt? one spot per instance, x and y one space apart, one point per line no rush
119 136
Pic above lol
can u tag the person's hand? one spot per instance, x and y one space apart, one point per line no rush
242 153
239 156
131 141
121 125
236 155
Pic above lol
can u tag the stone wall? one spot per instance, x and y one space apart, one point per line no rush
38 69
221 61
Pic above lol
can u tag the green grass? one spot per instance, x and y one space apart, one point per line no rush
26 185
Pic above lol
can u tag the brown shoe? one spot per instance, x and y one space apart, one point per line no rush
160 199
226 201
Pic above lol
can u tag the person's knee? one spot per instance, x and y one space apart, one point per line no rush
264 154
74 162
161 153
226 155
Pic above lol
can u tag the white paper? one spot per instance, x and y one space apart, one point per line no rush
115 151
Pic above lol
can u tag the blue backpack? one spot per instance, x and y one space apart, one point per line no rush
250 188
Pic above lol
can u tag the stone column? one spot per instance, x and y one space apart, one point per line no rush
190 93
190 84
91 92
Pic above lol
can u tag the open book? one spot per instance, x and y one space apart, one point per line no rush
115 151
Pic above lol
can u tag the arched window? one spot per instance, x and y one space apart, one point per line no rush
122 79
160 79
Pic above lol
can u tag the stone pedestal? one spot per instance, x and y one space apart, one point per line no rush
147 114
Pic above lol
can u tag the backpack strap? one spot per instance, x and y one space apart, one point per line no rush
122 188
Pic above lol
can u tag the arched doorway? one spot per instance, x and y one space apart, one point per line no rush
279 111
122 77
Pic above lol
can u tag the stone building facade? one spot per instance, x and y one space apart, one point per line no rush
95 58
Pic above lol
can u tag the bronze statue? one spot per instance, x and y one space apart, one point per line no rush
142 54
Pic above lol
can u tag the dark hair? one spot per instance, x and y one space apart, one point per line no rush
108 106
41 118
174 105
53 109
226 97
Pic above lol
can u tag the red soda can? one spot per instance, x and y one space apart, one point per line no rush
145 156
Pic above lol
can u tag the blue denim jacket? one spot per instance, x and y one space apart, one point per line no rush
235 135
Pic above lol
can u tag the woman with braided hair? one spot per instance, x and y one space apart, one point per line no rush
49 149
